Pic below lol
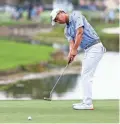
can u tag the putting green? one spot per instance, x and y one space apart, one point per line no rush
106 111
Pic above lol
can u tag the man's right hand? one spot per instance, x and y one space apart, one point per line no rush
70 58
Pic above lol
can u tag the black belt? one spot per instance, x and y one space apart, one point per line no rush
95 42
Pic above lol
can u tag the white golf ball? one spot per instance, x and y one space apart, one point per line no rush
29 118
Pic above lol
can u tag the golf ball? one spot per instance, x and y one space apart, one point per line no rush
29 118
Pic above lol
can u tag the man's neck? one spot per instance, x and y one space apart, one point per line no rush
67 22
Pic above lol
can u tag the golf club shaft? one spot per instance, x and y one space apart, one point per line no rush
58 79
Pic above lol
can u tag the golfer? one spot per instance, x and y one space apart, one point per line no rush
80 33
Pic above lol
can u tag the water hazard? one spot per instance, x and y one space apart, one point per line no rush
105 84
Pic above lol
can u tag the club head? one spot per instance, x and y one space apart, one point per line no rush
47 99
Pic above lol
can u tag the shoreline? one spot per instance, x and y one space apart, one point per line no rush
4 80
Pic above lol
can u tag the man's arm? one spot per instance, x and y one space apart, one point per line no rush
78 38
74 45
71 45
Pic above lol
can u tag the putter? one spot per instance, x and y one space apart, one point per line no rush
49 99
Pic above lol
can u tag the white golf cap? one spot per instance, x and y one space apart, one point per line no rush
53 15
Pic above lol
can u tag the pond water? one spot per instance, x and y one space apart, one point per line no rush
105 84
37 88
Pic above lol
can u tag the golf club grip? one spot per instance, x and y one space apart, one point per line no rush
58 79
70 60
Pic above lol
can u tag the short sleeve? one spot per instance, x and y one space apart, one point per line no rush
78 20
69 38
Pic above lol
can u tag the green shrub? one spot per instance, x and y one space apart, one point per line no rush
110 41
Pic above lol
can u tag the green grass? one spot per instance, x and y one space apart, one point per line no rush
106 111
13 54
14 22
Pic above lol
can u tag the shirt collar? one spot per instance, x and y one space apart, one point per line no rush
69 21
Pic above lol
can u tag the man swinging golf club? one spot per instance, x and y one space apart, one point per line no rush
80 33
